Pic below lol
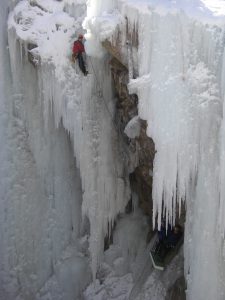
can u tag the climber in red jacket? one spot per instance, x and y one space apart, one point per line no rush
78 51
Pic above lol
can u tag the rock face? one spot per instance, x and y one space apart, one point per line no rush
31 57
142 146
177 291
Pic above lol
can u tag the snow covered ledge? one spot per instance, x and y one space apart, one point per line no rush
180 86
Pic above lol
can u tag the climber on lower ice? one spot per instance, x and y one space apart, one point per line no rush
78 53
169 241
164 232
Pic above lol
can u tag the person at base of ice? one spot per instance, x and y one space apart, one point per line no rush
78 52
169 242
163 232
174 237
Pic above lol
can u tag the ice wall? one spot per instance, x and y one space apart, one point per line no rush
184 115
180 86
40 188
75 103
180 66
181 99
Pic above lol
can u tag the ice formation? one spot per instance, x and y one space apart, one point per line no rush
74 101
180 68
180 86
40 190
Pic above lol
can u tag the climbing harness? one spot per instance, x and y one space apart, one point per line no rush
99 91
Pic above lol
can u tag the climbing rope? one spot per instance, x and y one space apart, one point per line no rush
100 93
115 126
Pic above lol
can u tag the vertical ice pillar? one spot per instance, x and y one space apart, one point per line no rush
95 9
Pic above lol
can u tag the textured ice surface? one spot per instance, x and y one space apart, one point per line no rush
180 86
75 103
40 189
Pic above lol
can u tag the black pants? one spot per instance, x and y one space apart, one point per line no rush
162 249
81 63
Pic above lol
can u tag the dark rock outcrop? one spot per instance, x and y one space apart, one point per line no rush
142 145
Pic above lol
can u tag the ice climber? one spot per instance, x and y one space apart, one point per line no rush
163 232
78 53
169 241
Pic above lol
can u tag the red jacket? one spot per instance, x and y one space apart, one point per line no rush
78 47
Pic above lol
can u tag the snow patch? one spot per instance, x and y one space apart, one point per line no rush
133 128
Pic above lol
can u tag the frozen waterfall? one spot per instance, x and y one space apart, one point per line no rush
180 86
64 170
